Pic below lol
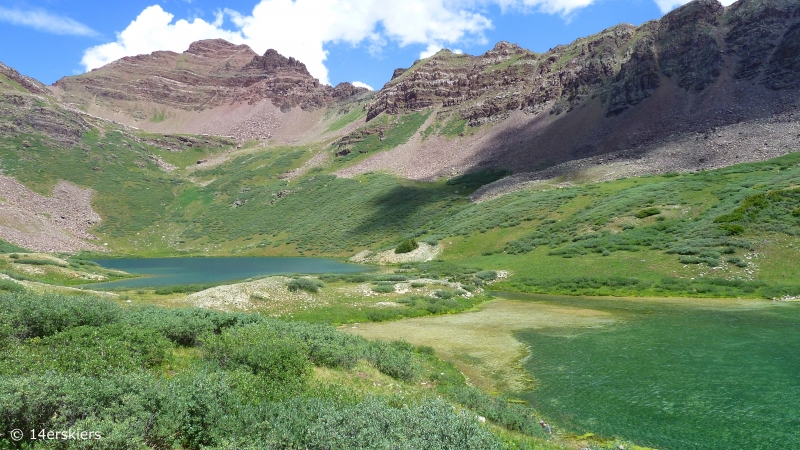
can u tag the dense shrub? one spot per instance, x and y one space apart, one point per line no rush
383 288
406 246
39 262
11 286
280 359
36 315
498 409
390 277
443 294
305 284
102 371
182 289
92 350
487 275
184 326
382 315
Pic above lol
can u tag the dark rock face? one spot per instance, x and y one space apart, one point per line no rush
686 40
783 71
691 48
27 103
397 72
209 74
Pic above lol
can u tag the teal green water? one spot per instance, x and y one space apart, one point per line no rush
679 375
159 272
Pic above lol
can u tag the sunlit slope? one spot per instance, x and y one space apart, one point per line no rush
168 194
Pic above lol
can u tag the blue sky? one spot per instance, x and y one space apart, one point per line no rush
339 40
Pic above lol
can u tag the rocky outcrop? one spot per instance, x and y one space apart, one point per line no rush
691 47
24 83
27 107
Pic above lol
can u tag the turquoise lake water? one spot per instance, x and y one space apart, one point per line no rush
673 375
158 272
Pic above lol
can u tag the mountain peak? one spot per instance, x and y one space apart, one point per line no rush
272 61
217 48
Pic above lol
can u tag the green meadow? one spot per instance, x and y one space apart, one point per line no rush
720 234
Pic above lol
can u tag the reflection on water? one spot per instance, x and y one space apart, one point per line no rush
172 271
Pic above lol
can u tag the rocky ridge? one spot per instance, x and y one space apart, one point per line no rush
626 89
622 66
145 90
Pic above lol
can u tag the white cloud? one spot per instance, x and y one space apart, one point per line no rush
153 30
668 5
362 85
301 28
42 20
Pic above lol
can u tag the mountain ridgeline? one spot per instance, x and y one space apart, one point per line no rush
219 150
624 90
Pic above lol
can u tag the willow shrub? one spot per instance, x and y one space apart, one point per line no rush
281 360
39 315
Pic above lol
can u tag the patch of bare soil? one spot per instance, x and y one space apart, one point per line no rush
424 252
269 294
42 287
47 224
482 343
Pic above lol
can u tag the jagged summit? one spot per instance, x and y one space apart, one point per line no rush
213 48
626 88
272 61
214 87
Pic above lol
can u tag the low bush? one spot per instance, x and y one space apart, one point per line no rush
11 286
281 360
390 277
184 326
39 262
443 294
383 288
406 246
92 350
305 284
182 289
647 212
487 275
39 315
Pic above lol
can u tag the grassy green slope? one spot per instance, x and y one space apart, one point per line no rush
659 235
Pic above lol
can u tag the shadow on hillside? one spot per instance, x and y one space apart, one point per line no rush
533 143
402 211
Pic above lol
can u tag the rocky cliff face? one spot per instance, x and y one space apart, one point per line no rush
691 47
210 74
668 87
27 106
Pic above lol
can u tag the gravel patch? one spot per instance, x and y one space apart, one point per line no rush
266 294
47 224
424 252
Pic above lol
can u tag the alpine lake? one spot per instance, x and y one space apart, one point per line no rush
159 272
